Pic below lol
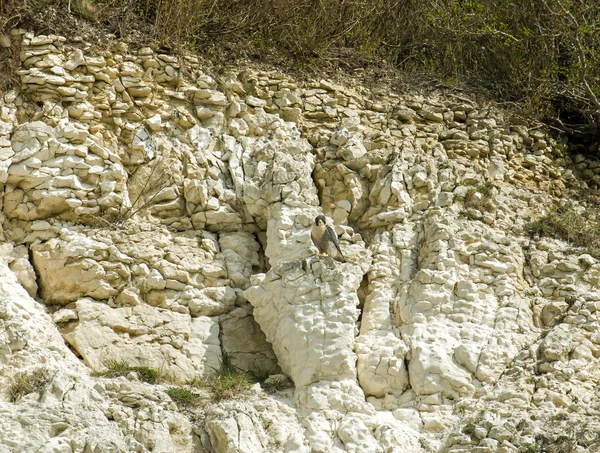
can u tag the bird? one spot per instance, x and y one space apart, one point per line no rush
326 240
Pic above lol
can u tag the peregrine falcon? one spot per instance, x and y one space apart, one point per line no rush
326 240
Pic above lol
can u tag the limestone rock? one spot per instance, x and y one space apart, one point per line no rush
246 342
174 343
155 206
311 307
64 407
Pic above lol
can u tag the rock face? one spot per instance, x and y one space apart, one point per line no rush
65 410
164 221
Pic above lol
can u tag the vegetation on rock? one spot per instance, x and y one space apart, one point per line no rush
542 57
116 368
228 382
26 382
269 380
183 395
578 226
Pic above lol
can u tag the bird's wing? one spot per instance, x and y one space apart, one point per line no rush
312 236
333 238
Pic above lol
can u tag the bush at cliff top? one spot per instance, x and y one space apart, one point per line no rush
542 55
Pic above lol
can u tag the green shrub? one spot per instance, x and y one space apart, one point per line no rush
469 429
260 375
228 386
182 395
276 384
147 374
227 367
228 383
116 368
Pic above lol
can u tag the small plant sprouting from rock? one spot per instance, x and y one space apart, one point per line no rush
480 198
580 228
469 429
147 374
116 368
228 386
260 374
277 383
228 382
270 380
182 395
147 186
24 383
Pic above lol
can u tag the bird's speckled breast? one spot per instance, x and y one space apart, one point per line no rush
318 233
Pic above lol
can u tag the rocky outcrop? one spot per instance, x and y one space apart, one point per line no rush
162 217
60 406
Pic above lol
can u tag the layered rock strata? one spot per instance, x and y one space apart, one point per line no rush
161 216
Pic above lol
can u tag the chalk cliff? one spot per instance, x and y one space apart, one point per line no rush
157 212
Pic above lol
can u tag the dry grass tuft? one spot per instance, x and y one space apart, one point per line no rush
577 226
26 382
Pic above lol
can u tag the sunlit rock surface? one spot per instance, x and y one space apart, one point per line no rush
163 220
